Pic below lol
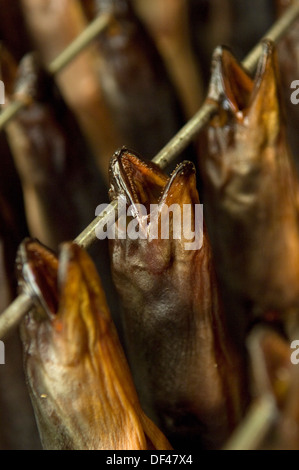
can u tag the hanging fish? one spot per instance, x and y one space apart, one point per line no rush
134 81
78 377
61 183
18 427
187 376
52 160
53 25
251 193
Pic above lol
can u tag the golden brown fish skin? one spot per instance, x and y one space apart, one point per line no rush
18 429
54 165
135 83
251 190
52 160
187 376
80 384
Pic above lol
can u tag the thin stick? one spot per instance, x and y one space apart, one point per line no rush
255 426
165 156
107 217
12 316
275 33
10 112
92 30
183 138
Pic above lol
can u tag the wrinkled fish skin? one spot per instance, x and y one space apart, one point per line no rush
185 371
251 192
79 381
135 84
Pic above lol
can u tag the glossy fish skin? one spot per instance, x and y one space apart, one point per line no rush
79 380
52 160
251 192
186 374
134 81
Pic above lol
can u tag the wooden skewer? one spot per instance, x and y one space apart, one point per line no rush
255 426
